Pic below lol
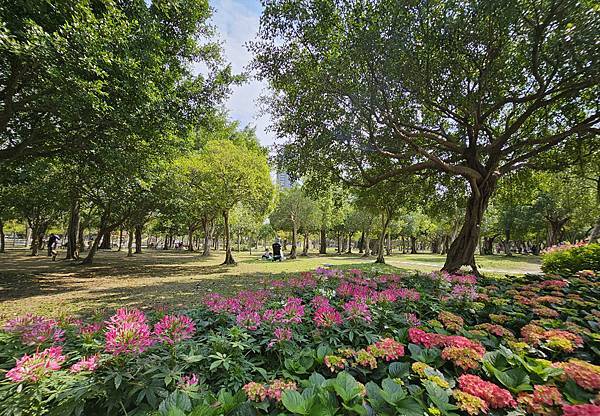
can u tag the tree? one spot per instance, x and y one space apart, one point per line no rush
372 90
234 174
294 211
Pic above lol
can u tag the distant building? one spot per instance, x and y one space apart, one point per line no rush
283 180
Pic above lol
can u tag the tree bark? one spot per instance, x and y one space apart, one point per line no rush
2 237
81 239
367 244
130 233
305 245
73 230
106 244
361 242
413 245
385 220
555 230
462 249
228 255
93 249
138 238
349 243
294 242
323 245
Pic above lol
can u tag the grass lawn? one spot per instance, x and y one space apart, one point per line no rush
176 278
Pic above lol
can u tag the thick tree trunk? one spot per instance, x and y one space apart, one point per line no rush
488 245
555 227
294 242
413 245
166 243
81 239
138 238
462 249
228 255
130 233
361 242
35 245
106 243
102 233
323 243
73 231
2 237
93 249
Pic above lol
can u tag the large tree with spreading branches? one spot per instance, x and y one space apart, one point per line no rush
367 91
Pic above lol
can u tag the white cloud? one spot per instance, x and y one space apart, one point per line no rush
237 23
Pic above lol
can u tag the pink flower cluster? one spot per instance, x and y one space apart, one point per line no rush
291 313
90 330
249 300
326 315
35 330
357 311
187 381
581 410
128 332
86 364
495 397
31 368
174 328
281 335
248 319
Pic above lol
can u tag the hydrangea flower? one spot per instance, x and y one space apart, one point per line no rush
32 368
584 374
465 358
366 359
466 402
86 364
581 410
335 363
174 328
388 349
128 332
544 401
258 392
494 396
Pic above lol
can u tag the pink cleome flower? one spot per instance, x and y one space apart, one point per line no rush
281 335
327 316
357 311
86 364
174 328
31 368
249 320
35 330
496 397
128 332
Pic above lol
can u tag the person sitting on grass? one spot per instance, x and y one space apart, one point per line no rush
267 255
277 256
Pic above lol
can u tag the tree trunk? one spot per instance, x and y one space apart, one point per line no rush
380 246
388 245
106 244
413 245
35 226
367 244
239 242
138 238
555 230
81 239
191 230
294 242
166 243
339 242
462 249
361 242
323 245
130 233
102 233
228 255
93 249
349 243
120 239
73 231
305 245
2 237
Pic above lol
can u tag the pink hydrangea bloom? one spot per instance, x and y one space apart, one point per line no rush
388 349
496 397
581 410
128 332
31 368
174 328
428 340
86 364
35 330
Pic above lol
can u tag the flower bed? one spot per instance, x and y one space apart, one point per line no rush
326 343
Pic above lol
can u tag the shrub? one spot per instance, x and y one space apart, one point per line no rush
569 259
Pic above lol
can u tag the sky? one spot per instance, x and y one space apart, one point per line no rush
237 23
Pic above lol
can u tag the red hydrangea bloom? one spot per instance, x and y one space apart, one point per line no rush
174 328
581 410
496 397
428 340
31 368
585 374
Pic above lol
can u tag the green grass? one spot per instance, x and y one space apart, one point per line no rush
178 278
